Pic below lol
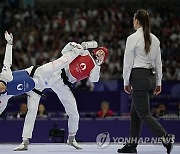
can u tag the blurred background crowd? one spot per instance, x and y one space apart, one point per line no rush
41 29
40 34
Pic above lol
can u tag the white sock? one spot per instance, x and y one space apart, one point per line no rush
72 134
24 139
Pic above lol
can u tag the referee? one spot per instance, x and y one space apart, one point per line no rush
142 74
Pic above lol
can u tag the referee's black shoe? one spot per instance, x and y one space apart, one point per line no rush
168 141
127 149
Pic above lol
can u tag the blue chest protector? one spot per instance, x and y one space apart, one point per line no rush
20 84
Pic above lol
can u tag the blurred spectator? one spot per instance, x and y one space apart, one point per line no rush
105 111
160 111
28 4
85 85
42 112
22 112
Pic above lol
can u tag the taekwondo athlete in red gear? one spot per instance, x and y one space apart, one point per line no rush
53 74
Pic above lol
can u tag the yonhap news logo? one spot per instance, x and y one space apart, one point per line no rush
103 140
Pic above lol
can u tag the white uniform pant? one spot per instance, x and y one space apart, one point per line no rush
32 103
67 99
50 73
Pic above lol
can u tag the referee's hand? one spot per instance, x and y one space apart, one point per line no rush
128 89
157 90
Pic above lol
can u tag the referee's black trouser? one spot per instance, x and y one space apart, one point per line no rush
143 83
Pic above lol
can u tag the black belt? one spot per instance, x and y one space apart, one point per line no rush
140 68
65 79
31 75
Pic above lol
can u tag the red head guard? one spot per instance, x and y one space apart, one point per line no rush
105 51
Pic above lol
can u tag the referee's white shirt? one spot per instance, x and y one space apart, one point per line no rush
135 56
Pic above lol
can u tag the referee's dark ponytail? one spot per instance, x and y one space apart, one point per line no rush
143 17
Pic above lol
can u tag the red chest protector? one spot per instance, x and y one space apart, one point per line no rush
81 67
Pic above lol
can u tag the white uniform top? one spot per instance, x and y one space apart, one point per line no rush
135 56
95 73
6 74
